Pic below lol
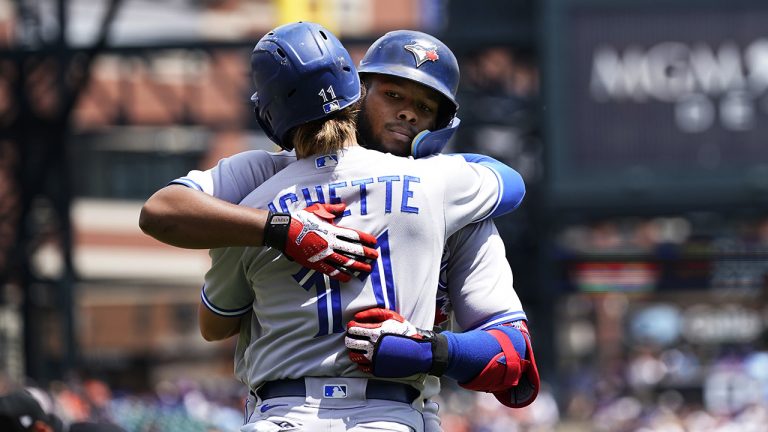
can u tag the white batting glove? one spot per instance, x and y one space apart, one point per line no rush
369 326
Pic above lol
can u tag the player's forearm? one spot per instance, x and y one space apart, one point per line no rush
386 344
462 356
214 327
187 218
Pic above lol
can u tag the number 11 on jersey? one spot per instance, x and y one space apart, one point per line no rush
329 313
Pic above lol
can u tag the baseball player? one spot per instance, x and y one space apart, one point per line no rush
494 354
475 257
289 354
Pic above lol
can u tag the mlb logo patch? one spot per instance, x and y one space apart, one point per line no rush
326 161
331 106
335 391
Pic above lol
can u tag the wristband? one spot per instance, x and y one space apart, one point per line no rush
440 355
397 356
276 230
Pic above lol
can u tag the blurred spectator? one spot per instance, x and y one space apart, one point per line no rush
94 427
20 412
98 397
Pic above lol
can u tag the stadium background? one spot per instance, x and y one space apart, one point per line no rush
639 253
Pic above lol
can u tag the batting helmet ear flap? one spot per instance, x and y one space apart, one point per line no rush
265 123
428 142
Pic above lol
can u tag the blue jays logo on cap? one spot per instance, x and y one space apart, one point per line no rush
335 391
326 161
422 53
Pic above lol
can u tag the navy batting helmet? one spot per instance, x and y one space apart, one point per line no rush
301 72
418 57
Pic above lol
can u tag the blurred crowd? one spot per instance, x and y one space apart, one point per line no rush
183 406
465 411
191 407
671 414
677 388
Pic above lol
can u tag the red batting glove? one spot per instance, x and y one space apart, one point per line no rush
312 239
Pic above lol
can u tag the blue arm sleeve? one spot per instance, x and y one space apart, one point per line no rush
471 351
512 185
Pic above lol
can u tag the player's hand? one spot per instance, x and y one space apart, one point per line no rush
370 325
312 239
382 342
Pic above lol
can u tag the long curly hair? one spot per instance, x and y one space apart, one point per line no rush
328 134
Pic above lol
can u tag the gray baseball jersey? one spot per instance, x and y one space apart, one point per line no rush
475 287
475 278
297 326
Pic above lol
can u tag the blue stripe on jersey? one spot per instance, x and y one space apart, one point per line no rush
336 306
300 275
386 266
309 278
498 197
188 182
500 319
386 262
223 312
376 285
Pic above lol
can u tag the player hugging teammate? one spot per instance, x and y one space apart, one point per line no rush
429 219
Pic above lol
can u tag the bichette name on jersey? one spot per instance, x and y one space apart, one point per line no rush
298 319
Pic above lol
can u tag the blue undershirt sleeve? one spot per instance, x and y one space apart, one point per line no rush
513 186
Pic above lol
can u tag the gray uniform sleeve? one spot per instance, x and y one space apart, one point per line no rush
226 291
471 191
236 176
478 278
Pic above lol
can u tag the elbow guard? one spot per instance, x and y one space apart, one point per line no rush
512 379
